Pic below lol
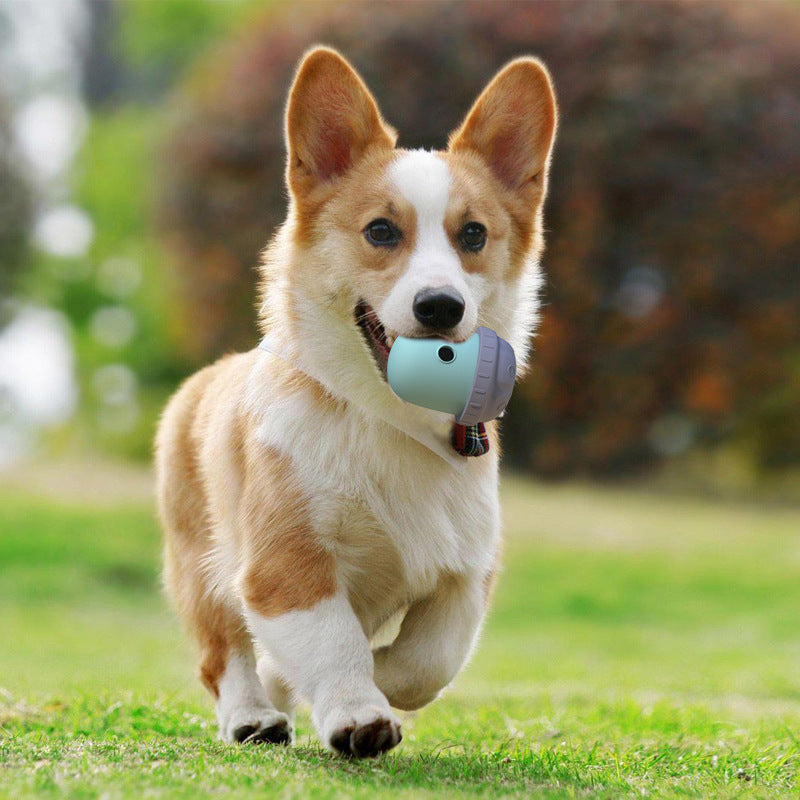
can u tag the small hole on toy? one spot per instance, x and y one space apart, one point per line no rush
446 354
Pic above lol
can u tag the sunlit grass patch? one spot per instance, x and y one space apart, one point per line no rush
637 646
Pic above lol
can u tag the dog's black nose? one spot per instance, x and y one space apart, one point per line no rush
439 308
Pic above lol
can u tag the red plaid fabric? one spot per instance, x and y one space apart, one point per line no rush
470 440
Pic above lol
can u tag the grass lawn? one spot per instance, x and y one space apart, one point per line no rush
639 646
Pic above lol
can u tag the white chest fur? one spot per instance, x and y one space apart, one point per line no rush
371 487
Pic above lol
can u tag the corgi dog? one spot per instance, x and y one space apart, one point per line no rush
324 540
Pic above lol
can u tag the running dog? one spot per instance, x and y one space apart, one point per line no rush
326 541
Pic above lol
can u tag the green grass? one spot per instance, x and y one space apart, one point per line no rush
638 646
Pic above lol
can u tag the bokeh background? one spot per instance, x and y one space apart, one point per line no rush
141 161
643 639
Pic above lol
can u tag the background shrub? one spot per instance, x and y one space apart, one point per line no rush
15 214
673 299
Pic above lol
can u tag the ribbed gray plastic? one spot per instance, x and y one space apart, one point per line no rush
495 373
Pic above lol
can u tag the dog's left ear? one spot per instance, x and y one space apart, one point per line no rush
331 120
512 126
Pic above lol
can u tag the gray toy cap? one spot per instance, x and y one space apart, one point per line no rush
493 381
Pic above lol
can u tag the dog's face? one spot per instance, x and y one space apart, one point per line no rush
416 243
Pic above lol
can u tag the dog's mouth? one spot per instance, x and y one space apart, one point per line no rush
378 339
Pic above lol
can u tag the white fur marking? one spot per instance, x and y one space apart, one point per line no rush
324 654
424 180
435 640
242 700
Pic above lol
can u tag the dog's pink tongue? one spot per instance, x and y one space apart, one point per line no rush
470 440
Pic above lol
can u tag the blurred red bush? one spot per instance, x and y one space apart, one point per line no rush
672 310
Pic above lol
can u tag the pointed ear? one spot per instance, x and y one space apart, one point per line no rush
331 120
512 125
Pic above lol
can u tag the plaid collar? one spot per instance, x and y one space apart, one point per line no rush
470 440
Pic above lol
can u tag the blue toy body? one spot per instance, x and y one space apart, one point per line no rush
472 380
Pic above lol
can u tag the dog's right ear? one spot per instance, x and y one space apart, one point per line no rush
512 126
331 120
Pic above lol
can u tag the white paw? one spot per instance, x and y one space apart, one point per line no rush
363 732
256 726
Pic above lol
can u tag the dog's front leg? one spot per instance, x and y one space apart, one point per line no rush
324 655
435 640
300 616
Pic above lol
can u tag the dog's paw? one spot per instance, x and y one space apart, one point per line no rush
257 726
363 733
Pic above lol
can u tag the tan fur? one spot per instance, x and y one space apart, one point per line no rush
258 525
189 537
521 91
331 121
287 545
512 123
273 535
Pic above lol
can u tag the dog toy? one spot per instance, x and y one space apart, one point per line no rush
472 380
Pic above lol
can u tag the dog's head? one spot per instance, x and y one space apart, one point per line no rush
382 242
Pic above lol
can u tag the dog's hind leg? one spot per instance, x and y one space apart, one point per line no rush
244 711
227 659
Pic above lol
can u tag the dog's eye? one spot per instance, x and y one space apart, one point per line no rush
381 233
472 237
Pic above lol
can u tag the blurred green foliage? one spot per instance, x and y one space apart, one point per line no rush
159 35
15 214
125 273
158 40
126 279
